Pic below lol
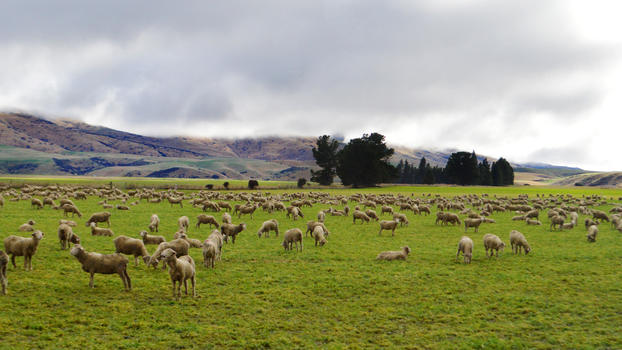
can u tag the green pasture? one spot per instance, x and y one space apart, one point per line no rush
567 293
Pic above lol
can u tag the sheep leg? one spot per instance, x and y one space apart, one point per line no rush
194 294
380 232
91 281
185 286
393 232
458 254
13 261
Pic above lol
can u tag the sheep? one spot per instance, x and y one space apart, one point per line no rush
533 214
267 226
466 247
388 225
597 214
533 222
231 230
174 200
394 255
292 236
131 246
357 214
181 270
424 209
386 209
122 207
372 214
294 213
247 210
212 248
149 239
311 226
4 261
206 219
67 222
28 226
592 231
226 218
98 231
194 243
70 208
183 222
66 236
402 219
103 216
589 222
105 264
493 242
451 218
567 226
472 223
179 245
518 242
22 246
154 223
36 203
318 235
321 216
519 218
558 221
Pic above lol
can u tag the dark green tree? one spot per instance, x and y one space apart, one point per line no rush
325 155
301 182
462 168
365 161
421 171
502 173
485 176
428 176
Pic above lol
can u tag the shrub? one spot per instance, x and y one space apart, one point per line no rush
302 182
253 184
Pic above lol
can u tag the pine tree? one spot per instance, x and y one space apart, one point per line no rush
326 158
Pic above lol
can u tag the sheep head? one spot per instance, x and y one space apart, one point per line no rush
38 235
77 249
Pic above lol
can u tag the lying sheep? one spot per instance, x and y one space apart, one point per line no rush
472 223
181 270
292 236
212 248
519 218
465 246
267 226
183 222
98 231
28 226
194 243
394 255
67 222
131 246
66 236
318 236
22 246
357 214
154 223
179 245
589 222
70 208
518 242
122 207
230 230
388 225
206 219
149 239
533 222
567 226
103 216
102 263
592 231
4 261
493 242
311 225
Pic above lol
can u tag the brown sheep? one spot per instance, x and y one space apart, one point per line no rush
179 245
388 225
372 214
518 242
28 226
22 246
292 236
465 246
600 215
103 216
318 235
4 261
472 223
154 223
230 230
394 255
592 231
212 248
267 226
131 246
98 231
105 264
174 200
558 221
311 226
206 219
66 236
181 270
149 239
357 214
70 208
36 203
493 242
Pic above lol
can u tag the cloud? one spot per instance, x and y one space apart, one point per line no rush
425 73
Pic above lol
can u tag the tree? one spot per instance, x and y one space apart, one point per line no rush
302 182
226 185
485 176
502 173
462 168
421 171
326 158
253 184
365 161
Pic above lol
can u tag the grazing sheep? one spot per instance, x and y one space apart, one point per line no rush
103 216
357 214
318 235
518 242
311 225
372 214
589 222
424 209
212 248
22 246
28 226
386 209
36 203
131 246
472 223
70 208
519 218
181 270
394 255
230 230
179 245
183 222
247 210
226 218
149 239
4 261
533 222
155 223
66 236
600 215
206 219
388 225
67 222
321 216
292 236
465 246
451 218
401 218
98 231
267 226
592 231
533 214
558 221
294 213
174 200
102 263
493 242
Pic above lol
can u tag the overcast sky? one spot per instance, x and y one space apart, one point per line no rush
526 80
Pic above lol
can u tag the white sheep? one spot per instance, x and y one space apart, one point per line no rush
179 245
291 237
206 219
103 216
592 231
394 255
181 270
99 231
318 235
388 225
465 246
518 242
66 236
154 223
230 230
212 248
226 218
267 226
493 242
131 246
183 222
472 223
105 264
149 239
28 226
22 246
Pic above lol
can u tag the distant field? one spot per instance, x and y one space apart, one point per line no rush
567 293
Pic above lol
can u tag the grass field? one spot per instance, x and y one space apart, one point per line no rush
567 293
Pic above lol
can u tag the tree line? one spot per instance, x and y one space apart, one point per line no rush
364 162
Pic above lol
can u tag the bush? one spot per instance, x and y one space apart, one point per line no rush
253 184
209 186
302 182
226 185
